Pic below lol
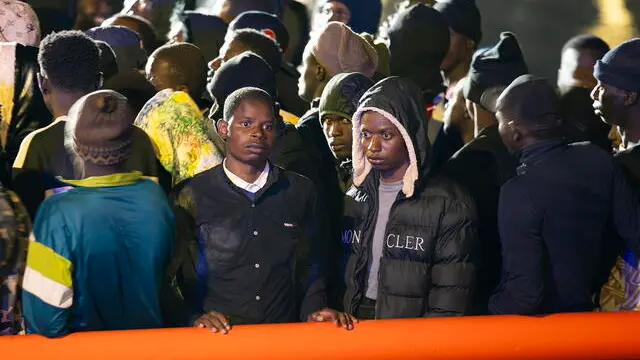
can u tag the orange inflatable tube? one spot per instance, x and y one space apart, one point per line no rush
563 336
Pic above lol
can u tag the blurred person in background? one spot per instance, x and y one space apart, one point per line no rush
92 13
484 164
140 25
126 45
362 16
575 82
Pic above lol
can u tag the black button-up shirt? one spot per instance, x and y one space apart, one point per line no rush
254 256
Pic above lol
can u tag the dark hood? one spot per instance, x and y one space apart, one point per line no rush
206 32
342 94
418 43
400 101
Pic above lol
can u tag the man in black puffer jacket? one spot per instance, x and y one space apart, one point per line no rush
409 238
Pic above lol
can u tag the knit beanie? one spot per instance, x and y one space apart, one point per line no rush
494 68
418 43
338 49
125 43
463 17
264 22
99 128
244 70
619 67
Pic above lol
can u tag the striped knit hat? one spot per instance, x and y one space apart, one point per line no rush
99 128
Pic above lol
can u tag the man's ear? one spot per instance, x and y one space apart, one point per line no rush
630 98
223 129
321 73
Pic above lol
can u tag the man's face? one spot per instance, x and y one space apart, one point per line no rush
609 104
250 133
309 80
576 70
97 11
332 11
459 48
382 143
337 130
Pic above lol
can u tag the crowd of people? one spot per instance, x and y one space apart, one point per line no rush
236 167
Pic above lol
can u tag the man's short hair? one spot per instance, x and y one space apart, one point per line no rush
247 93
70 60
595 46
260 44
188 66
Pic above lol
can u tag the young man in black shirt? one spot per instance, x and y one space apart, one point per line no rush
254 230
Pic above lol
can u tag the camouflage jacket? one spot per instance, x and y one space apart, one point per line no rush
15 227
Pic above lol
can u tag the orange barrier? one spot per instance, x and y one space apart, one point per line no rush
566 336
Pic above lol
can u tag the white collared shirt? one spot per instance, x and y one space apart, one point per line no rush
254 187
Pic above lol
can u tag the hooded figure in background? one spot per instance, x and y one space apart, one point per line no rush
409 238
22 108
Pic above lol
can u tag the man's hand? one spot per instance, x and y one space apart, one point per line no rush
341 319
213 321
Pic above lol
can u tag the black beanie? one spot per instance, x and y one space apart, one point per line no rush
619 67
264 22
418 42
493 68
463 17
244 70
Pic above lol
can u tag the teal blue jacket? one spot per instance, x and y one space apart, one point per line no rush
97 257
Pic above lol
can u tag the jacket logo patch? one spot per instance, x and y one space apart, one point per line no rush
351 236
289 225
405 242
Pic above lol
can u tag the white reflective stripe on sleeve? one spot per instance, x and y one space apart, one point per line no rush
47 290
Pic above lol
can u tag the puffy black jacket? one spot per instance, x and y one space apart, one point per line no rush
427 264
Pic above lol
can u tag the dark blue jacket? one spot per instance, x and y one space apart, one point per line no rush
553 218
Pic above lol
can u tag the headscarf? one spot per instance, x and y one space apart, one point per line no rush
19 23
178 131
